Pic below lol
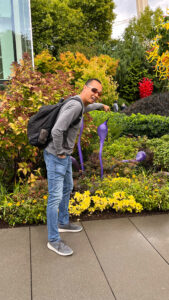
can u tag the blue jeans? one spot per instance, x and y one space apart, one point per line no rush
60 185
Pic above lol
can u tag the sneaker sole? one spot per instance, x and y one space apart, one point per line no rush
69 230
60 253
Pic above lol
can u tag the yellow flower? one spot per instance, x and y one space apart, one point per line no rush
23 201
117 174
9 204
156 190
133 176
119 195
146 187
18 203
100 192
45 197
34 201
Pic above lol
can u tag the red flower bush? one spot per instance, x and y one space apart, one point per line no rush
145 87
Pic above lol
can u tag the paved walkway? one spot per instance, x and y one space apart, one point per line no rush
123 259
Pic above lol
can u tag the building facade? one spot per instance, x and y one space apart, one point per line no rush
141 5
15 34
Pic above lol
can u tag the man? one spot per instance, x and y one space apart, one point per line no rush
59 164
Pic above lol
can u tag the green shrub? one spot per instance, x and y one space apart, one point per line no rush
26 205
115 122
160 148
153 126
122 148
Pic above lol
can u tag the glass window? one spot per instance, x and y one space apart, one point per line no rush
1 67
22 24
15 33
6 38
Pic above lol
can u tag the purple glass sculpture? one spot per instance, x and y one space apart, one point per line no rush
79 146
141 155
75 163
102 131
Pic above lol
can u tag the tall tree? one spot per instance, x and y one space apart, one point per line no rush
144 27
98 16
133 66
57 23
131 52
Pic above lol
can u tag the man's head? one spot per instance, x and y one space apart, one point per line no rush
91 92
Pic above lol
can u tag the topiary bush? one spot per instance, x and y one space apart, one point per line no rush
157 104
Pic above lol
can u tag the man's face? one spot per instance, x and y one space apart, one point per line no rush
92 92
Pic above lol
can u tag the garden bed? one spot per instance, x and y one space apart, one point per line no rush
105 215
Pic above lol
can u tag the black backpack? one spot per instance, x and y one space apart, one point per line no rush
40 125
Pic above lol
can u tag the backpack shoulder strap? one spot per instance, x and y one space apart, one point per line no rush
75 98
81 112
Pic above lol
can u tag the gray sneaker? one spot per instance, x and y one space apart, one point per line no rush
60 248
70 228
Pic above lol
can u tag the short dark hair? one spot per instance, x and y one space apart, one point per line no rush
92 79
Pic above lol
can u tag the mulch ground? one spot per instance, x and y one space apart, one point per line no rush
97 216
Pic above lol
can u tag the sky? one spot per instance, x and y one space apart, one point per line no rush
126 9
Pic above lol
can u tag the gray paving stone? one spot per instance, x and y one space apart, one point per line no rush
156 230
15 264
134 269
77 277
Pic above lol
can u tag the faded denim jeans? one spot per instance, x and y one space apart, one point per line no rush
60 185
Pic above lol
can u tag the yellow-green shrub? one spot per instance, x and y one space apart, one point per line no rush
102 67
73 64
94 70
150 191
45 62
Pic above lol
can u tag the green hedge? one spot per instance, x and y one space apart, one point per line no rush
153 126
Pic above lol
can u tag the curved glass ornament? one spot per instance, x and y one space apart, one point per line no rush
79 146
102 131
